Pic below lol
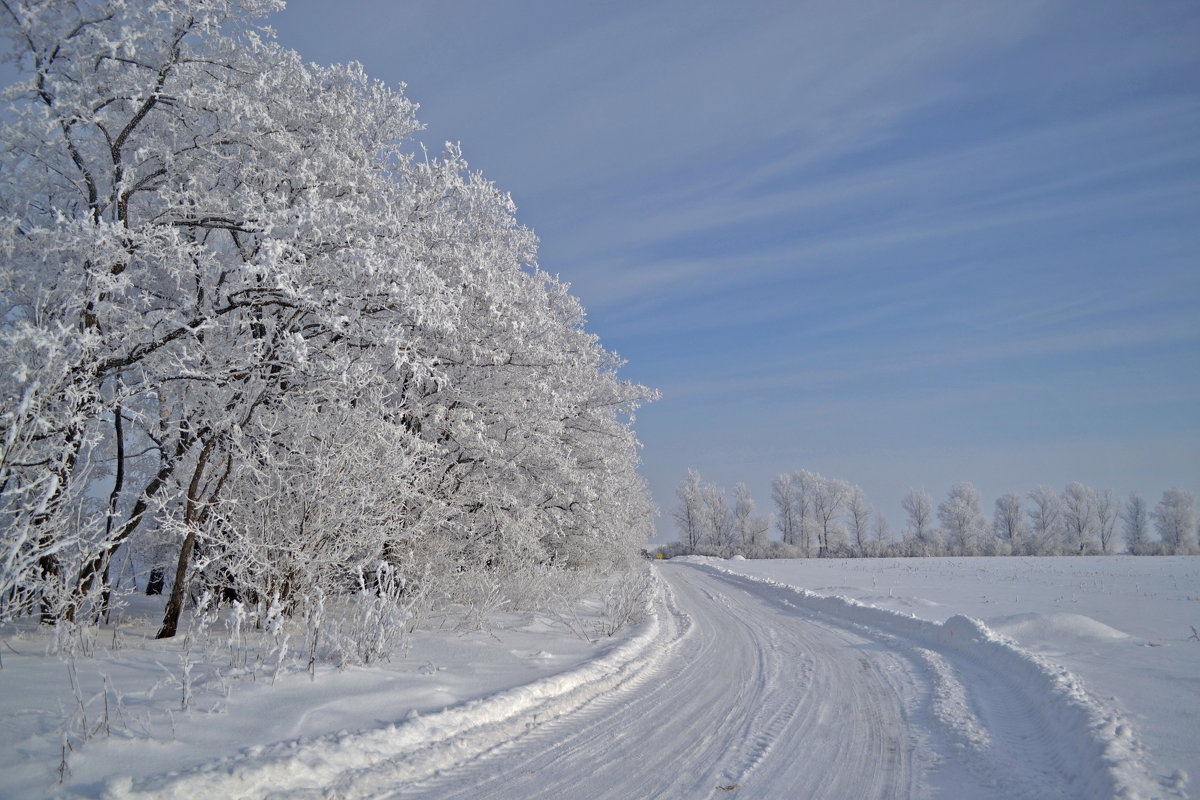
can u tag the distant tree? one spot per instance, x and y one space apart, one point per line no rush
1008 524
1106 520
1079 518
921 535
787 515
1135 524
749 529
1045 522
962 520
830 497
689 514
1175 519
881 535
805 485
858 514
718 520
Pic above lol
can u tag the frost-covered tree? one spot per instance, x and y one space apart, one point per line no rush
708 525
829 499
921 535
787 514
1045 522
881 535
1080 523
749 529
858 516
689 514
319 500
1135 525
1175 520
150 165
718 521
225 279
805 485
962 520
1008 525
1107 512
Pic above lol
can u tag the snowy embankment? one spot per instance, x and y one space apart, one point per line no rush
365 762
1071 647
225 712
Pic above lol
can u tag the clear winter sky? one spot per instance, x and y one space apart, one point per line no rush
905 244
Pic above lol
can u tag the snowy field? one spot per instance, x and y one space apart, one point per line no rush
713 695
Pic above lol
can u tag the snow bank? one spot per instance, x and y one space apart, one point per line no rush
1113 763
364 762
1056 626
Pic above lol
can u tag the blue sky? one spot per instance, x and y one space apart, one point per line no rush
903 244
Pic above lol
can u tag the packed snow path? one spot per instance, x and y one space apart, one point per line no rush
737 687
756 697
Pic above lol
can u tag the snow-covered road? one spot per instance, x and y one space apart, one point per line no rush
747 700
755 696
737 687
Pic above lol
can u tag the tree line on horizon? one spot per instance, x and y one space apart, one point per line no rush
832 518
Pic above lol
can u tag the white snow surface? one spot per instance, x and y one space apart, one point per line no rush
955 678
1122 626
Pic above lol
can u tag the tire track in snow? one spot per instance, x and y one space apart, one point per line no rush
754 701
1006 724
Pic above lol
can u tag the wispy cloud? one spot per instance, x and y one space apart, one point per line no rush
876 211
827 369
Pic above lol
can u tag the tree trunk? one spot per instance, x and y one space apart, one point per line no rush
170 625
49 569
193 516
158 579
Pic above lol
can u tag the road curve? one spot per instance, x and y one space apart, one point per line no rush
752 700
737 687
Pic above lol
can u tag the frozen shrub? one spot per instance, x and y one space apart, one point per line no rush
626 599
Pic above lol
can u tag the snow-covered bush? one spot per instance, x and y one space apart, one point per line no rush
374 622
626 599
